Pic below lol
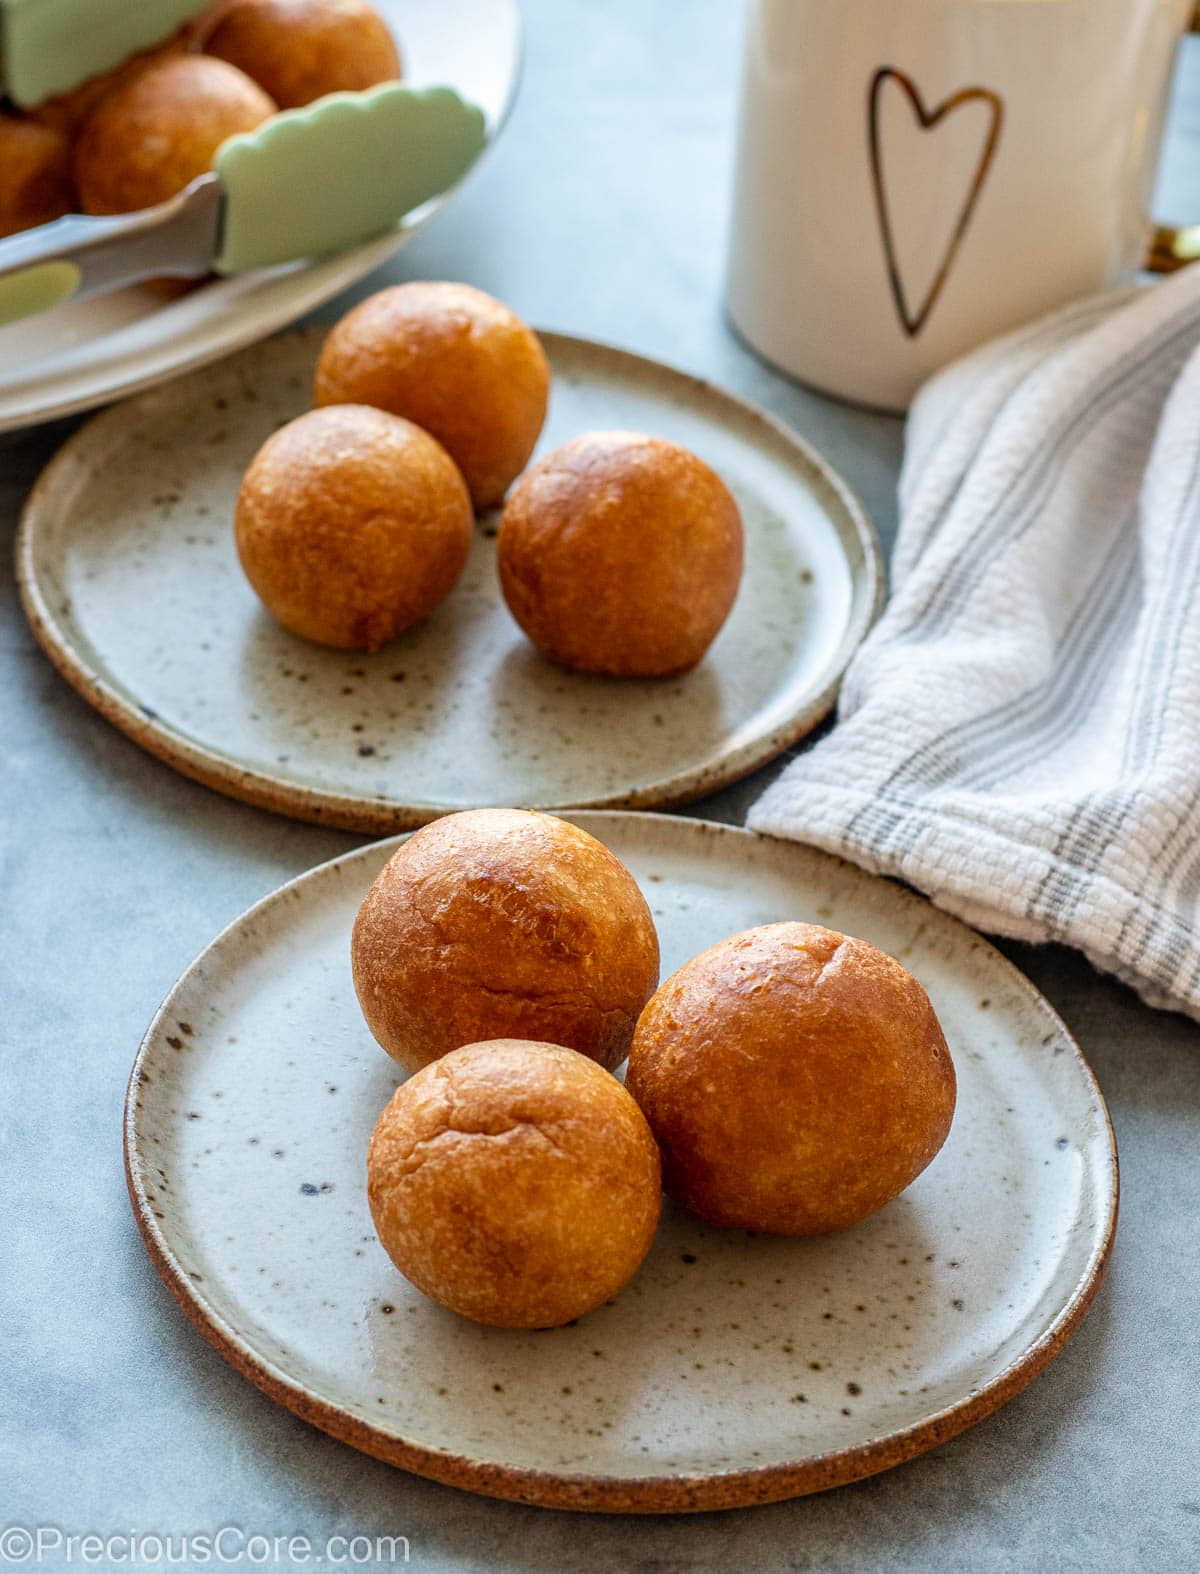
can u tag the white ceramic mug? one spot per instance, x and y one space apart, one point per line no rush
915 176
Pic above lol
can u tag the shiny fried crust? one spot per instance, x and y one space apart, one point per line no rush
500 923
351 525
453 360
35 174
516 1183
621 554
299 50
151 137
795 1079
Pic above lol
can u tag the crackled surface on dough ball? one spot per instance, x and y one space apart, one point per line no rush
351 525
621 554
516 1183
796 1080
300 50
455 361
499 923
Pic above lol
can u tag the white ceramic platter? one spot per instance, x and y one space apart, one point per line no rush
733 1369
131 581
97 350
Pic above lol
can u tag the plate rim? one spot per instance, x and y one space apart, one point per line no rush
377 817
356 264
597 1492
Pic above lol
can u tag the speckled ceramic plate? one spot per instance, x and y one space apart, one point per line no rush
90 352
733 1369
131 582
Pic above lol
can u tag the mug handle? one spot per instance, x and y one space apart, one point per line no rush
1174 246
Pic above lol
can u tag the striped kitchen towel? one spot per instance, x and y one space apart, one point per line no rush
1019 737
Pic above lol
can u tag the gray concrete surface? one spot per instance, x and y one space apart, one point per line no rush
602 212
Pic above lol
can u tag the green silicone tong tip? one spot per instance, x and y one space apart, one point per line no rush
317 180
51 46
309 183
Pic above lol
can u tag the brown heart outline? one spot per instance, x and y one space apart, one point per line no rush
927 119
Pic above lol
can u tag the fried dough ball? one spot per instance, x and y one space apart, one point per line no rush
453 360
300 50
516 1183
621 555
795 1079
152 136
499 923
351 525
35 174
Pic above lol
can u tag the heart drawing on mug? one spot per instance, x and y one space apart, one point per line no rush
927 120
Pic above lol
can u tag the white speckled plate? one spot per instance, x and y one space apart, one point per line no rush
733 1369
90 352
131 582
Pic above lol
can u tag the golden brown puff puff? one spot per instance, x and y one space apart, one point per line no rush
35 174
152 136
456 362
300 50
621 555
516 1183
351 525
503 923
795 1079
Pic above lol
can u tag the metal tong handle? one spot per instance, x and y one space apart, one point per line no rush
82 255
